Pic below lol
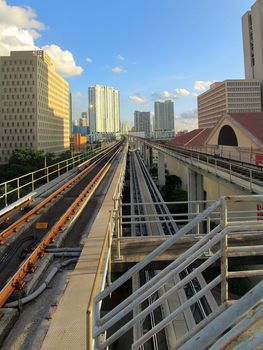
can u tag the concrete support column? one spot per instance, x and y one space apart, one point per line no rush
144 153
150 157
147 160
195 193
161 170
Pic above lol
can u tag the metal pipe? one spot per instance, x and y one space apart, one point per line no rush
42 287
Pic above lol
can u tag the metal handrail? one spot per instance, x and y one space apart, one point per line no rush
94 290
62 166
228 169
219 234
107 240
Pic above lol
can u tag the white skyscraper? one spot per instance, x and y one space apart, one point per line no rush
104 112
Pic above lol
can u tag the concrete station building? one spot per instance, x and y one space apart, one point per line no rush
34 104
237 136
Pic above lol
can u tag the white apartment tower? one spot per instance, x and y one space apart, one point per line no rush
164 115
34 104
104 110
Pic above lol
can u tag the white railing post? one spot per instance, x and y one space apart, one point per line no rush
120 214
5 194
18 188
224 255
197 212
109 247
47 174
32 182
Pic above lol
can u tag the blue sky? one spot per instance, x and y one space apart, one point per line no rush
145 48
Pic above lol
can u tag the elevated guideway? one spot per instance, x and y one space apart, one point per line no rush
234 173
144 190
215 246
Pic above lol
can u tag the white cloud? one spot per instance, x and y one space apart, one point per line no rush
137 99
21 17
189 114
118 70
172 95
120 58
19 28
201 85
89 60
186 120
182 92
64 61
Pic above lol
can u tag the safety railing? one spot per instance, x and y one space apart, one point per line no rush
15 188
214 241
104 264
249 177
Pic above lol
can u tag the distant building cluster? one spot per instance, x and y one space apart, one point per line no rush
162 125
36 103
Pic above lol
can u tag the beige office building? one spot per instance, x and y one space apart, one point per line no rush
34 104
229 96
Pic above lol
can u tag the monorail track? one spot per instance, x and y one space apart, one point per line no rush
22 254
201 309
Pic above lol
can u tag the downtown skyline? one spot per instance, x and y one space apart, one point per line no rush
148 51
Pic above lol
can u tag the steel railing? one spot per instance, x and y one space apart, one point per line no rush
248 176
217 239
15 188
104 263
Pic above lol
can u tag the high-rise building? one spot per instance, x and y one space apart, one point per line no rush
34 104
142 122
164 115
229 96
104 111
84 121
252 25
